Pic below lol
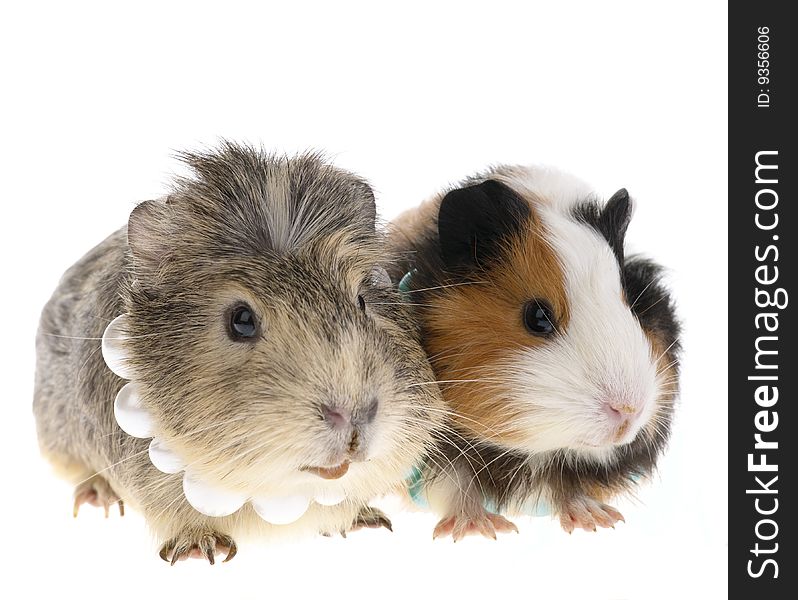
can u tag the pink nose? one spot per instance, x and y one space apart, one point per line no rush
337 417
619 410
622 415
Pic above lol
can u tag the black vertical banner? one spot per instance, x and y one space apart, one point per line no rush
763 368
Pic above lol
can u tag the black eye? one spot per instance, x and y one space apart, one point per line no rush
242 323
539 317
361 302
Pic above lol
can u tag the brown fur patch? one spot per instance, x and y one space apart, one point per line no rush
472 327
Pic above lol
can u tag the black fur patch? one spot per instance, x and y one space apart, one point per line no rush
611 221
473 221
650 301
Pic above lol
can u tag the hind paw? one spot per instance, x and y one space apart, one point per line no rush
588 514
200 545
97 492
486 524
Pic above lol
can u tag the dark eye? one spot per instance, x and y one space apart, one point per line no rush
242 323
361 302
539 317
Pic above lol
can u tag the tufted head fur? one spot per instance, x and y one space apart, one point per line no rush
334 372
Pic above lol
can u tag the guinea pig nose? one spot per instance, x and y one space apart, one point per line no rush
336 417
620 410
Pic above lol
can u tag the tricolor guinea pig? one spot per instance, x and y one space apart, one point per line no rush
557 354
235 362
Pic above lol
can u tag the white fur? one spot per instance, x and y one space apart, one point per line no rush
558 189
603 354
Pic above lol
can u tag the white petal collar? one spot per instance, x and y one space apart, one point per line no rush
213 501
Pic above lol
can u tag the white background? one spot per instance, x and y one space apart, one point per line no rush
95 99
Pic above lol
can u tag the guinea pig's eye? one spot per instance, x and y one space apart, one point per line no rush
539 317
361 302
242 323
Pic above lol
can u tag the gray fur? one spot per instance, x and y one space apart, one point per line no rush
294 239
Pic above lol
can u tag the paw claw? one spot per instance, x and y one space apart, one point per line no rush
232 550
208 547
166 549
205 546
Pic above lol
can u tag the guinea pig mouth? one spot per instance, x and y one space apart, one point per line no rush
329 472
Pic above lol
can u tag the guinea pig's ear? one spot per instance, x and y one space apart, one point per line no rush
614 220
148 233
474 221
617 213
370 203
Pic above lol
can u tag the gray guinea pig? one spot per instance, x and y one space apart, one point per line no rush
268 349
557 352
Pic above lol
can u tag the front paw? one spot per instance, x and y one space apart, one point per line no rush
482 523
588 514
198 545
367 518
371 518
